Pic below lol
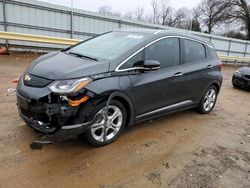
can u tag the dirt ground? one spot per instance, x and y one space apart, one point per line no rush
182 150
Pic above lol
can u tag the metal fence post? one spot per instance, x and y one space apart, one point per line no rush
5 22
210 39
120 23
245 52
71 20
229 47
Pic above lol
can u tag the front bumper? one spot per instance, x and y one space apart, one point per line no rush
45 117
49 132
65 133
241 81
49 114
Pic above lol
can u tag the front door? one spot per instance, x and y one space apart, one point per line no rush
155 90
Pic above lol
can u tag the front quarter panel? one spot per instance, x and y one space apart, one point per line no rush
120 84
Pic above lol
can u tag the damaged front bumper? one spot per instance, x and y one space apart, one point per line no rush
49 114
65 133
49 133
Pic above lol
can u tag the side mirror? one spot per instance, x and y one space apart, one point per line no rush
152 64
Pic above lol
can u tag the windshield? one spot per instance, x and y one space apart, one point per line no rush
108 46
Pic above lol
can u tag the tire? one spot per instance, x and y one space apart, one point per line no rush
208 100
115 126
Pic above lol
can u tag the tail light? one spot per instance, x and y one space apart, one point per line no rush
219 65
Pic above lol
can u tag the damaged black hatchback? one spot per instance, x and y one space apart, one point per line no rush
106 83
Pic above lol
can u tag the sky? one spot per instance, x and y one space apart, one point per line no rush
121 6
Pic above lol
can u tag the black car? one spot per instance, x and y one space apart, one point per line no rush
100 86
241 78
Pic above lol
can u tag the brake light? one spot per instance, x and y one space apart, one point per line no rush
219 65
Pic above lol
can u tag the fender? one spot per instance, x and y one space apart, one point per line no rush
105 87
217 83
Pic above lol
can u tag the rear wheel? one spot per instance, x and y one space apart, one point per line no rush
116 121
208 100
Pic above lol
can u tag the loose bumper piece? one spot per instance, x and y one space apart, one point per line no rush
65 133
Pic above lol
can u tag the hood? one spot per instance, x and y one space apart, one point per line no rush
59 66
245 70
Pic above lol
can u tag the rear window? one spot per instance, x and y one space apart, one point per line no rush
166 51
193 51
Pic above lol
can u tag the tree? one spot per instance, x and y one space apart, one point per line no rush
156 16
215 12
163 13
180 19
166 13
242 13
107 10
235 34
136 15
139 14
195 25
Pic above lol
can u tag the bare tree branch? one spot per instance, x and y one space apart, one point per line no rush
215 12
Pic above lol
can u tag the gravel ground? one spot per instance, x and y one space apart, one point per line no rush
182 150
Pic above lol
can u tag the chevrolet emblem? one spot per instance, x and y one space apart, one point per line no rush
27 78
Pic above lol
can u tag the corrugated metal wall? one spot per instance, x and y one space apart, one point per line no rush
34 17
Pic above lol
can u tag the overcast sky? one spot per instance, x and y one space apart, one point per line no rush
121 5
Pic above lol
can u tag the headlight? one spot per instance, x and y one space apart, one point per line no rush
238 71
69 86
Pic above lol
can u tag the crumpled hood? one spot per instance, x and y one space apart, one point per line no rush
245 70
59 65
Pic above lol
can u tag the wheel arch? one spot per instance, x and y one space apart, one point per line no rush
217 85
126 101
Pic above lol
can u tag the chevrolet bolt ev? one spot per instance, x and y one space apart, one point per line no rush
151 73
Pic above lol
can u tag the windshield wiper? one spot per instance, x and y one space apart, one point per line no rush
83 56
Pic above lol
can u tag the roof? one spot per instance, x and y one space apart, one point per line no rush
170 32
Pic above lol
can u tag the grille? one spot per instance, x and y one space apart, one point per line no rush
247 76
35 81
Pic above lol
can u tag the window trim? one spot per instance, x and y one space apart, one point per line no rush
117 69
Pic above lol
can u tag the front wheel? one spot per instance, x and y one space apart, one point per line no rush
208 100
116 122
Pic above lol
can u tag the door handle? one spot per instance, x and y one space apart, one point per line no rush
178 74
210 66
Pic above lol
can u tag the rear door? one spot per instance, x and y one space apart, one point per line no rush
197 67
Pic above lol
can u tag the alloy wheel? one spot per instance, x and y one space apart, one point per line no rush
209 99
114 123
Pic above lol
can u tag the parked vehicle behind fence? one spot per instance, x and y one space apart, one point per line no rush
241 78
